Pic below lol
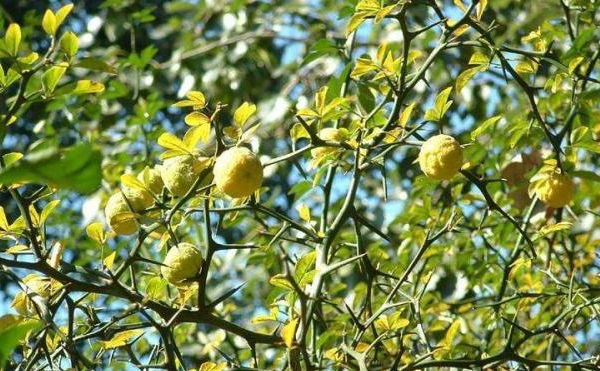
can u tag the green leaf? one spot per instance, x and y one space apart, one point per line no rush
463 79
96 65
441 106
81 87
48 210
243 113
13 39
484 127
304 268
574 63
70 44
76 168
13 330
156 288
51 78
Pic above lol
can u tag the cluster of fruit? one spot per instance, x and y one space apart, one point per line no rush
238 173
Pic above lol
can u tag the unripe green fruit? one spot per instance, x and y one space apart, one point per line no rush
179 173
181 263
151 178
119 216
238 172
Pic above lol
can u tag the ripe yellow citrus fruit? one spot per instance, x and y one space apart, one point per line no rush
328 134
179 173
181 263
119 216
441 157
556 190
140 199
151 178
238 172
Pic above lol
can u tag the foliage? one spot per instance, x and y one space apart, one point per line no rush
338 252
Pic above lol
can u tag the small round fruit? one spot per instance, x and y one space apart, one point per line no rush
119 216
140 199
238 172
327 134
151 178
179 173
441 157
181 263
557 190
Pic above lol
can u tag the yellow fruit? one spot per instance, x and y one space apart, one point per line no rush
556 190
179 173
151 179
238 172
328 134
140 199
182 262
119 216
441 157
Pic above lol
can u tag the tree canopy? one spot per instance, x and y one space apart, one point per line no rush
299 185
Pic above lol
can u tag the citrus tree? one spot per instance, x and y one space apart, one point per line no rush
304 185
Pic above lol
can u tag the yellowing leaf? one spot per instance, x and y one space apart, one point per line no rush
13 39
561 226
405 115
243 113
170 141
574 63
49 22
196 134
122 338
81 87
479 58
304 212
363 66
130 181
96 232
354 23
481 8
211 366
281 281
62 13
195 99
197 119
3 221
460 5
526 66
109 261
288 333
